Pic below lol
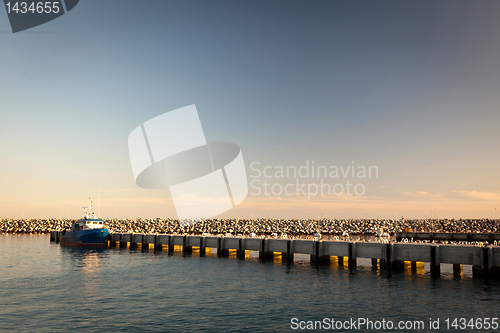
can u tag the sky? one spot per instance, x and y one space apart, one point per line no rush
411 88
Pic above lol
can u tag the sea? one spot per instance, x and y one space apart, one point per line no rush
48 288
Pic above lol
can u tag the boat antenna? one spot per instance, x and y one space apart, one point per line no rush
99 201
88 211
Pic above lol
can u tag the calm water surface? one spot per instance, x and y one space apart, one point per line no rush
49 288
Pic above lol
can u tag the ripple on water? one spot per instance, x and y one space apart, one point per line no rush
46 288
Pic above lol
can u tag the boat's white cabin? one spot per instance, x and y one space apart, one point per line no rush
91 224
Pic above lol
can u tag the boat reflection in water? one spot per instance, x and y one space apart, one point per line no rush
84 259
86 272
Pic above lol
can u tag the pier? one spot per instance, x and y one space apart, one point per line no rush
485 260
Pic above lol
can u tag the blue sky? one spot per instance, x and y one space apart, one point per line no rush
411 87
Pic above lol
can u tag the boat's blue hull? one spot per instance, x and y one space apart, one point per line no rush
90 237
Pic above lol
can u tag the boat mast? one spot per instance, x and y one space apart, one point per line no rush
89 212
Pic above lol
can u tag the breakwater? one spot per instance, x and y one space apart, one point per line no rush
485 260
261 226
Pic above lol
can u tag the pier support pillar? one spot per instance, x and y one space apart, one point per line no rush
374 263
385 262
435 260
414 267
185 248
170 245
132 241
457 270
352 256
397 265
221 248
315 258
157 245
241 249
203 248
264 254
340 261
288 256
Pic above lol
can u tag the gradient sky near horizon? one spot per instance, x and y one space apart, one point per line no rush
411 87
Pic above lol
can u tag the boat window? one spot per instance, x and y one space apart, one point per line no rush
88 222
95 222
100 222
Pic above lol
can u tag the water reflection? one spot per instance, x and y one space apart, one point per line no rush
87 284
85 259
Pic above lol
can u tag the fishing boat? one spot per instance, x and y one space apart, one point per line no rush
89 231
